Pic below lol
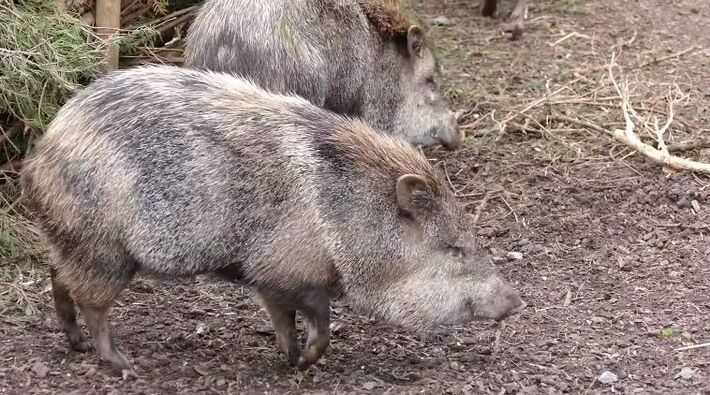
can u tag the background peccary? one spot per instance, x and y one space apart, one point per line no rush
355 57
516 22
175 172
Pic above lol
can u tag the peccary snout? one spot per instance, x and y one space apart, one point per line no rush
449 134
505 301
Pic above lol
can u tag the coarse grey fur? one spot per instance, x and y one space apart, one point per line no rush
176 172
377 67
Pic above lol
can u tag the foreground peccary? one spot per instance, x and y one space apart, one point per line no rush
355 57
516 20
176 172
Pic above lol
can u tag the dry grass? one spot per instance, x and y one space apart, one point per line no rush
23 280
553 87
46 57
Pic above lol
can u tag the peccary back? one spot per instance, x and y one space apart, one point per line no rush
355 57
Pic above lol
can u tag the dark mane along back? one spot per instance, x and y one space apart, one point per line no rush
387 17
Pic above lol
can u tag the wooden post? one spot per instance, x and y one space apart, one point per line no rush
108 21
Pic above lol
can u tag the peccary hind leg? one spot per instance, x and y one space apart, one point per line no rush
66 314
94 293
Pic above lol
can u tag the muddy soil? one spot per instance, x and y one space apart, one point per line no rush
615 256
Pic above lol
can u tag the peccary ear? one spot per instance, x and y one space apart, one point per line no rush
415 40
406 186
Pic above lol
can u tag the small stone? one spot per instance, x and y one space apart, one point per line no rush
128 374
514 256
674 274
441 21
40 369
200 371
90 372
335 327
370 385
200 328
696 206
608 377
220 383
454 365
264 330
685 373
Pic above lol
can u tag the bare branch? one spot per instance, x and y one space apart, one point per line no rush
481 207
629 137
671 56
689 145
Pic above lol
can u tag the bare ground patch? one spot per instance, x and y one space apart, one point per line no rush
615 252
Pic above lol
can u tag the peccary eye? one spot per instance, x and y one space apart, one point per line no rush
456 252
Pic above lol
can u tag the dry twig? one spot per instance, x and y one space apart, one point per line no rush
10 133
170 18
567 37
495 351
671 56
630 138
703 345
689 145
481 207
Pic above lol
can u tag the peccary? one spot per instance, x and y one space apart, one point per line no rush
516 21
167 171
356 57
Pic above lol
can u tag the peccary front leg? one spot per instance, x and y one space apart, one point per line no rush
316 309
315 306
516 23
489 7
283 318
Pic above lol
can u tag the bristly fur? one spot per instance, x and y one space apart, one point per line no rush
387 17
379 154
348 56
174 172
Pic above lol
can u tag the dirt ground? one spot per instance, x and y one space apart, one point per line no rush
615 254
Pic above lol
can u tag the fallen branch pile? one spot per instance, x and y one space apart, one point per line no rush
49 49
628 136
154 27
615 110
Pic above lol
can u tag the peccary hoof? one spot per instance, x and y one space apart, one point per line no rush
80 346
515 29
488 10
128 373
303 363
294 359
